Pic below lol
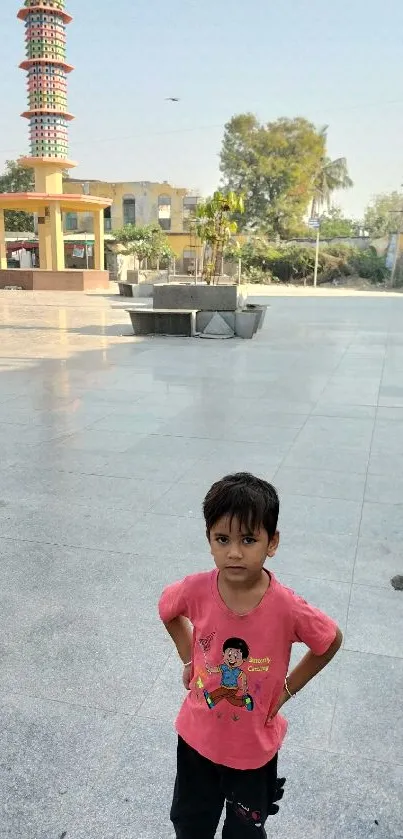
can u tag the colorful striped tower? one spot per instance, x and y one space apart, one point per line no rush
47 69
48 115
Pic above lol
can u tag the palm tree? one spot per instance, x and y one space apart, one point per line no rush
330 176
215 227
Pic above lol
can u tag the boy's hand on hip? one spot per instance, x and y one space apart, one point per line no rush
283 698
186 676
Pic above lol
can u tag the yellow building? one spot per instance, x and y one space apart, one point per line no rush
134 202
139 203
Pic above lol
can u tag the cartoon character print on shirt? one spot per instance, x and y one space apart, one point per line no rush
233 686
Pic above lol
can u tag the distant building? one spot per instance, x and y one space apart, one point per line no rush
134 202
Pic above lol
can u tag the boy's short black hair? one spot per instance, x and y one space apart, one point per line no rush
253 501
236 644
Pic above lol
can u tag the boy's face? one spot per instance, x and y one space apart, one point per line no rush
239 554
233 657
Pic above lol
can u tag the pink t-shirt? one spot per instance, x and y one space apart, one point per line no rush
239 663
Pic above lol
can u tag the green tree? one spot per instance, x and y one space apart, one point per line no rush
274 167
17 179
215 226
384 214
330 176
334 223
148 242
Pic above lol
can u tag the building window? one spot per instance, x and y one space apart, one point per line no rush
107 219
189 210
71 221
164 212
129 210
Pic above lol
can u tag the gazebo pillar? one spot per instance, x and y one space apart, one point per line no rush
56 236
99 241
3 247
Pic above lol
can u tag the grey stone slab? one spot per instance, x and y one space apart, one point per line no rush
94 440
61 524
121 585
18 484
162 468
344 389
183 499
368 720
346 432
386 489
209 469
168 693
333 409
391 414
323 484
385 463
92 657
240 431
164 445
331 596
391 390
270 404
377 562
281 419
334 796
326 457
167 535
50 751
323 515
375 621
310 716
382 522
128 424
318 555
133 795
390 401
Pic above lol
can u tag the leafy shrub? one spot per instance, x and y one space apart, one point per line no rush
368 265
341 250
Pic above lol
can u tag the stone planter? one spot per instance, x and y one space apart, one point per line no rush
261 310
125 289
246 323
205 298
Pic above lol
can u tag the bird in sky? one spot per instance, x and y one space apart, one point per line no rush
172 99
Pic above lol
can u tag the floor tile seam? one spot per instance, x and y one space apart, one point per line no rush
322 497
310 414
225 439
375 587
75 547
344 647
366 482
39 697
371 653
336 695
128 718
343 754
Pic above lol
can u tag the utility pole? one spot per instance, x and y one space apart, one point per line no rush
315 224
397 248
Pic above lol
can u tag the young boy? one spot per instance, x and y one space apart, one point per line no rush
233 628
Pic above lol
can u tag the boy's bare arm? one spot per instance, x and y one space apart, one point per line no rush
180 631
309 666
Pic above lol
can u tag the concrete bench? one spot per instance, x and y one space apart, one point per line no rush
136 290
181 322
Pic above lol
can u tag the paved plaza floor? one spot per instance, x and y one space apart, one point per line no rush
108 444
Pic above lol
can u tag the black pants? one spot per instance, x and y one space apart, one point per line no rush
202 788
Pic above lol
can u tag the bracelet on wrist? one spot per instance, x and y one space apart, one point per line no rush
187 664
287 690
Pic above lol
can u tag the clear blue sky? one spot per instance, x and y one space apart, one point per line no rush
336 62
